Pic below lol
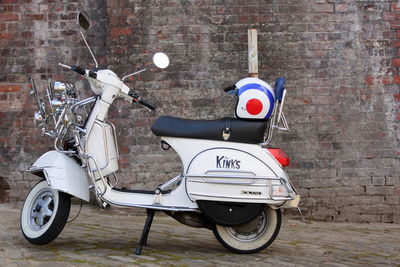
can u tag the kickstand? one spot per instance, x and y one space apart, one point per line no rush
146 230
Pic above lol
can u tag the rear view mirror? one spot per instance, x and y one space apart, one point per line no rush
161 60
84 20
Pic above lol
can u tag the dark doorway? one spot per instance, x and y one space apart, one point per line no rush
4 188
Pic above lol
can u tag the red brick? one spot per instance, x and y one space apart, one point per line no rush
369 80
117 50
7 35
9 17
245 19
26 34
387 80
5 2
389 34
395 79
6 88
121 31
124 150
396 6
396 62
33 17
389 16
395 25
5 9
396 97
126 12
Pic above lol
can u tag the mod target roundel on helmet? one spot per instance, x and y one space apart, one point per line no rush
256 100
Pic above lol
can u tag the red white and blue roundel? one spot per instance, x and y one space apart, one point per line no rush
256 99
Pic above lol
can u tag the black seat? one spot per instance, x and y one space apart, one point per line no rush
241 131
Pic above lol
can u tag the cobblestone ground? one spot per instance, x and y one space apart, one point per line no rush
106 238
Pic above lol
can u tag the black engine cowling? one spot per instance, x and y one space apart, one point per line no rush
229 213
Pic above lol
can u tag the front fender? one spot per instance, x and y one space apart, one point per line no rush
62 173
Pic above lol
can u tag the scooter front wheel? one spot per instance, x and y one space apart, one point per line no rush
44 214
253 236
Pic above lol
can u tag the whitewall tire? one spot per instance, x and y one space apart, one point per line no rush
253 236
44 214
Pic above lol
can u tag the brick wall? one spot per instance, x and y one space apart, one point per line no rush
341 60
35 36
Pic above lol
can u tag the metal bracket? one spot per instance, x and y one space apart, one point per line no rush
226 133
165 145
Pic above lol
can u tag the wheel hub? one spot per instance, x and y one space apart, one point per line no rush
42 210
251 230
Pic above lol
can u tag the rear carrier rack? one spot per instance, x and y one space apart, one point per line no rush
237 185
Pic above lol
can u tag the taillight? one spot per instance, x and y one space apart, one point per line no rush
280 156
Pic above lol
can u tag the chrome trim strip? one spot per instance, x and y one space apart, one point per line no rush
242 198
226 182
156 207
224 176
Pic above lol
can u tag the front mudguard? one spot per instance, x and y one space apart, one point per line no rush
62 173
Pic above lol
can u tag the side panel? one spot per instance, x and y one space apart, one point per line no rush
228 171
229 174
63 174
102 146
188 149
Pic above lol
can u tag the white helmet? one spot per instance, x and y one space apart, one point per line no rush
256 99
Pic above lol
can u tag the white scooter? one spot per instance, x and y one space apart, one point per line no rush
232 183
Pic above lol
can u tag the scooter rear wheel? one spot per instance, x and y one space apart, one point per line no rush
44 214
253 236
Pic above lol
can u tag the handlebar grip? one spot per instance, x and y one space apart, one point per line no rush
64 66
78 69
92 74
230 88
147 104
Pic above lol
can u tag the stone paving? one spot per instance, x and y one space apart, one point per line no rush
108 238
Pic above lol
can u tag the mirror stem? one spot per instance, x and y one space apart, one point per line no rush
129 75
90 50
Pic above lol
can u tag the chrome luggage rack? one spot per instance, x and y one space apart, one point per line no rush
278 120
227 179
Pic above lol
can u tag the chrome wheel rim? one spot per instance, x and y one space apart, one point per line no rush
41 210
250 231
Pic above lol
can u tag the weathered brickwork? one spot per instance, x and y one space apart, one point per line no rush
35 36
341 60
